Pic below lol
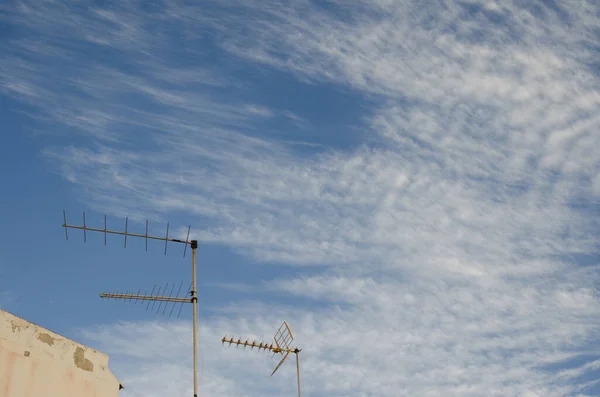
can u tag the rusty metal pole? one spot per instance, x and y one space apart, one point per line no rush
195 308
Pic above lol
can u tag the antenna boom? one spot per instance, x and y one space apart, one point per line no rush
93 229
144 297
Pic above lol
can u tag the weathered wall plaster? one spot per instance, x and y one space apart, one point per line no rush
37 362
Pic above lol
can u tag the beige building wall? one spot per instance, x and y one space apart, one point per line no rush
37 362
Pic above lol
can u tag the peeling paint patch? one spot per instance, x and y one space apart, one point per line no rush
18 324
46 338
82 362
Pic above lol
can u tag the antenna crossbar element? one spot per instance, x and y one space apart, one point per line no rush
281 362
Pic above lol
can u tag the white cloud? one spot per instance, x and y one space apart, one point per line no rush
444 247
259 110
293 116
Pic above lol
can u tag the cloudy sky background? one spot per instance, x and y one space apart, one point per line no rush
414 186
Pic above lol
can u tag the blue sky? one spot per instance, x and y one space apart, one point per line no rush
413 186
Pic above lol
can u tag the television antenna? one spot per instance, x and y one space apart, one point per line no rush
153 298
283 339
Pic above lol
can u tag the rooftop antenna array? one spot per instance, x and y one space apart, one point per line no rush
283 339
193 299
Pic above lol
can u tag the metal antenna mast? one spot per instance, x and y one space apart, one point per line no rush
137 297
283 339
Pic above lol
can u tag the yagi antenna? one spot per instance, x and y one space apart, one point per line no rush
170 299
158 297
126 233
283 339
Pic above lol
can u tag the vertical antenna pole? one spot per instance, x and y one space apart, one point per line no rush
195 306
298 372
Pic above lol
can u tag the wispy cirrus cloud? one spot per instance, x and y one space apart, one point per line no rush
447 239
